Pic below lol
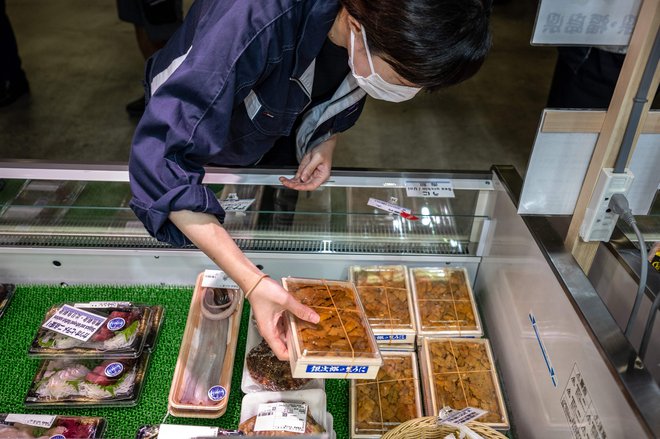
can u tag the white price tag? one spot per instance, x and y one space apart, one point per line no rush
218 279
461 417
430 189
43 421
170 431
103 305
388 207
281 416
74 322
231 205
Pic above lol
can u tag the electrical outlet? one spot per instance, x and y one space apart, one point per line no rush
599 220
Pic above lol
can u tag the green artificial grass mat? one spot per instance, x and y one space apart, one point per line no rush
24 315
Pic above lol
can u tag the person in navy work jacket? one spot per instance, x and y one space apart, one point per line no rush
250 82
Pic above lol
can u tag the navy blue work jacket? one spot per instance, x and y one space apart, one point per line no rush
230 82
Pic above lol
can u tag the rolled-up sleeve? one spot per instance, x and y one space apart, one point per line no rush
181 130
185 126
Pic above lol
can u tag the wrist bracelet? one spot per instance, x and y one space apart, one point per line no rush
256 284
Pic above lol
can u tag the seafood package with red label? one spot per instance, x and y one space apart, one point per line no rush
49 426
88 382
97 330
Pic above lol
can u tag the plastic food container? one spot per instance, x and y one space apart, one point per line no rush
51 426
157 315
202 377
341 345
459 373
394 397
6 294
264 372
124 330
444 303
385 294
314 399
86 382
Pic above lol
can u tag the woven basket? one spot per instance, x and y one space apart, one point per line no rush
428 428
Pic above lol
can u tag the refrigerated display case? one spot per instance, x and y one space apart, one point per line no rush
561 357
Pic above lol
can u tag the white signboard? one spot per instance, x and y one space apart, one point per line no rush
585 22
555 173
645 166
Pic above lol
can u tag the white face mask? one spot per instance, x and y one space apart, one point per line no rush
374 84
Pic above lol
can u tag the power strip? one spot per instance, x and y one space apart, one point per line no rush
599 220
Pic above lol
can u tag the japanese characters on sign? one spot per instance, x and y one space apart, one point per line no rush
585 23
75 322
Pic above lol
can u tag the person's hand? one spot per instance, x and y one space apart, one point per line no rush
314 169
269 301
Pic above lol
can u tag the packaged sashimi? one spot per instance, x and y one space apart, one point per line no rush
50 426
87 382
94 330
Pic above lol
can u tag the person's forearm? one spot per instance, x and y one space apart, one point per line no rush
209 236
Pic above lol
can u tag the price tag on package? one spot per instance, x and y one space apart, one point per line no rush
430 189
234 204
42 421
218 279
460 417
103 305
74 322
281 416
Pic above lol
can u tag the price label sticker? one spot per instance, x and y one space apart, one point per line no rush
103 305
281 416
388 207
461 417
43 421
74 322
392 208
236 205
430 189
170 431
218 279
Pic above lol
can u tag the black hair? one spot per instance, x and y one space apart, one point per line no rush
431 43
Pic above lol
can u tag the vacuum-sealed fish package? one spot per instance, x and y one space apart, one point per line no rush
88 382
294 413
50 426
95 330
202 377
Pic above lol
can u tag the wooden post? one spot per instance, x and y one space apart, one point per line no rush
614 124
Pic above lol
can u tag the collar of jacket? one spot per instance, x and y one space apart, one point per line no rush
315 30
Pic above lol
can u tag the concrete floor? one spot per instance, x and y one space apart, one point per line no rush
84 66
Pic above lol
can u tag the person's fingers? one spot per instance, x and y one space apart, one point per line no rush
301 311
276 345
311 185
309 168
303 163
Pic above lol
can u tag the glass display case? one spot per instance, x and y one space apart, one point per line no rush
547 325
